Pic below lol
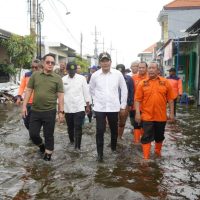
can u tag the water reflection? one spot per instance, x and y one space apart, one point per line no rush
76 175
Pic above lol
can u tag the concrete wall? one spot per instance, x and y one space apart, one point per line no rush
181 20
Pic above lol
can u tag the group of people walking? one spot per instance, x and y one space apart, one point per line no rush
141 94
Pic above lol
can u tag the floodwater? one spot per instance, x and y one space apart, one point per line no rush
74 175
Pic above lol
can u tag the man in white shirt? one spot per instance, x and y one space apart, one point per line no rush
104 88
76 97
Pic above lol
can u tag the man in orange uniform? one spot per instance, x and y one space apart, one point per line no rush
142 74
153 94
35 66
176 84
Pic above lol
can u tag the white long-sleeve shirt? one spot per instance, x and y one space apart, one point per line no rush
104 89
76 93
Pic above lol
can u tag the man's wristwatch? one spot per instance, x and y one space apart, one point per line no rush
61 112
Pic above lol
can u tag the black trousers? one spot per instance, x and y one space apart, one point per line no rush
74 124
47 120
101 127
153 130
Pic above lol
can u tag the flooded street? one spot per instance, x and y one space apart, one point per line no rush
75 175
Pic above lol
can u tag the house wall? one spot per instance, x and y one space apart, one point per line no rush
59 55
146 57
198 71
180 20
191 50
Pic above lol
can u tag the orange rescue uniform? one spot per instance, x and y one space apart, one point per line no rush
153 95
136 80
23 86
176 84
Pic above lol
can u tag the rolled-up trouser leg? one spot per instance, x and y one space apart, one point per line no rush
122 122
159 136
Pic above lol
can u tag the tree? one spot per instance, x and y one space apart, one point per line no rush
82 62
21 50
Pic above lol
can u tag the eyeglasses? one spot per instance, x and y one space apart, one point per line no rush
50 62
34 67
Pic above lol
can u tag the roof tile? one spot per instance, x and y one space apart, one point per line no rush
182 4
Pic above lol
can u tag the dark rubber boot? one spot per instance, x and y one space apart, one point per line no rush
42 148
47 157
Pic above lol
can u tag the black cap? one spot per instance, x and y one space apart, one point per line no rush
104 55
172 69
71 66
121 68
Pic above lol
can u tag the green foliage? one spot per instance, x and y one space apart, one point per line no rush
8 69
21 50
82 62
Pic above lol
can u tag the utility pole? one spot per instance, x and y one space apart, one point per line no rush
111 49
116 58
81 46
103 44
33 14
116 54
95 45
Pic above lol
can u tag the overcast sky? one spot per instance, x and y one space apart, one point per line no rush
129 25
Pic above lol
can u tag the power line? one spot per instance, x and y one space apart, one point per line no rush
59 16
53 6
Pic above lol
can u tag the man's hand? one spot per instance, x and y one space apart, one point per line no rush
24 111
18 101
122 112
61 117
138 117
171 117
87 109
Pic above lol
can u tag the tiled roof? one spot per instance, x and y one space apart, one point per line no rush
150 49
183 4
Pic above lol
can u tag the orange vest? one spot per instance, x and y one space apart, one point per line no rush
23 86
176 84
136 80
153 95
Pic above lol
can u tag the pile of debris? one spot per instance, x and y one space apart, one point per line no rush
8 92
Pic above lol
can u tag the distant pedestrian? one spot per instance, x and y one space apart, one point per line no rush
104 87
61 71
130 88
78 70
141 75
76 97
47 87
134 71
153 94
176 84
134 68
92 69
35 66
